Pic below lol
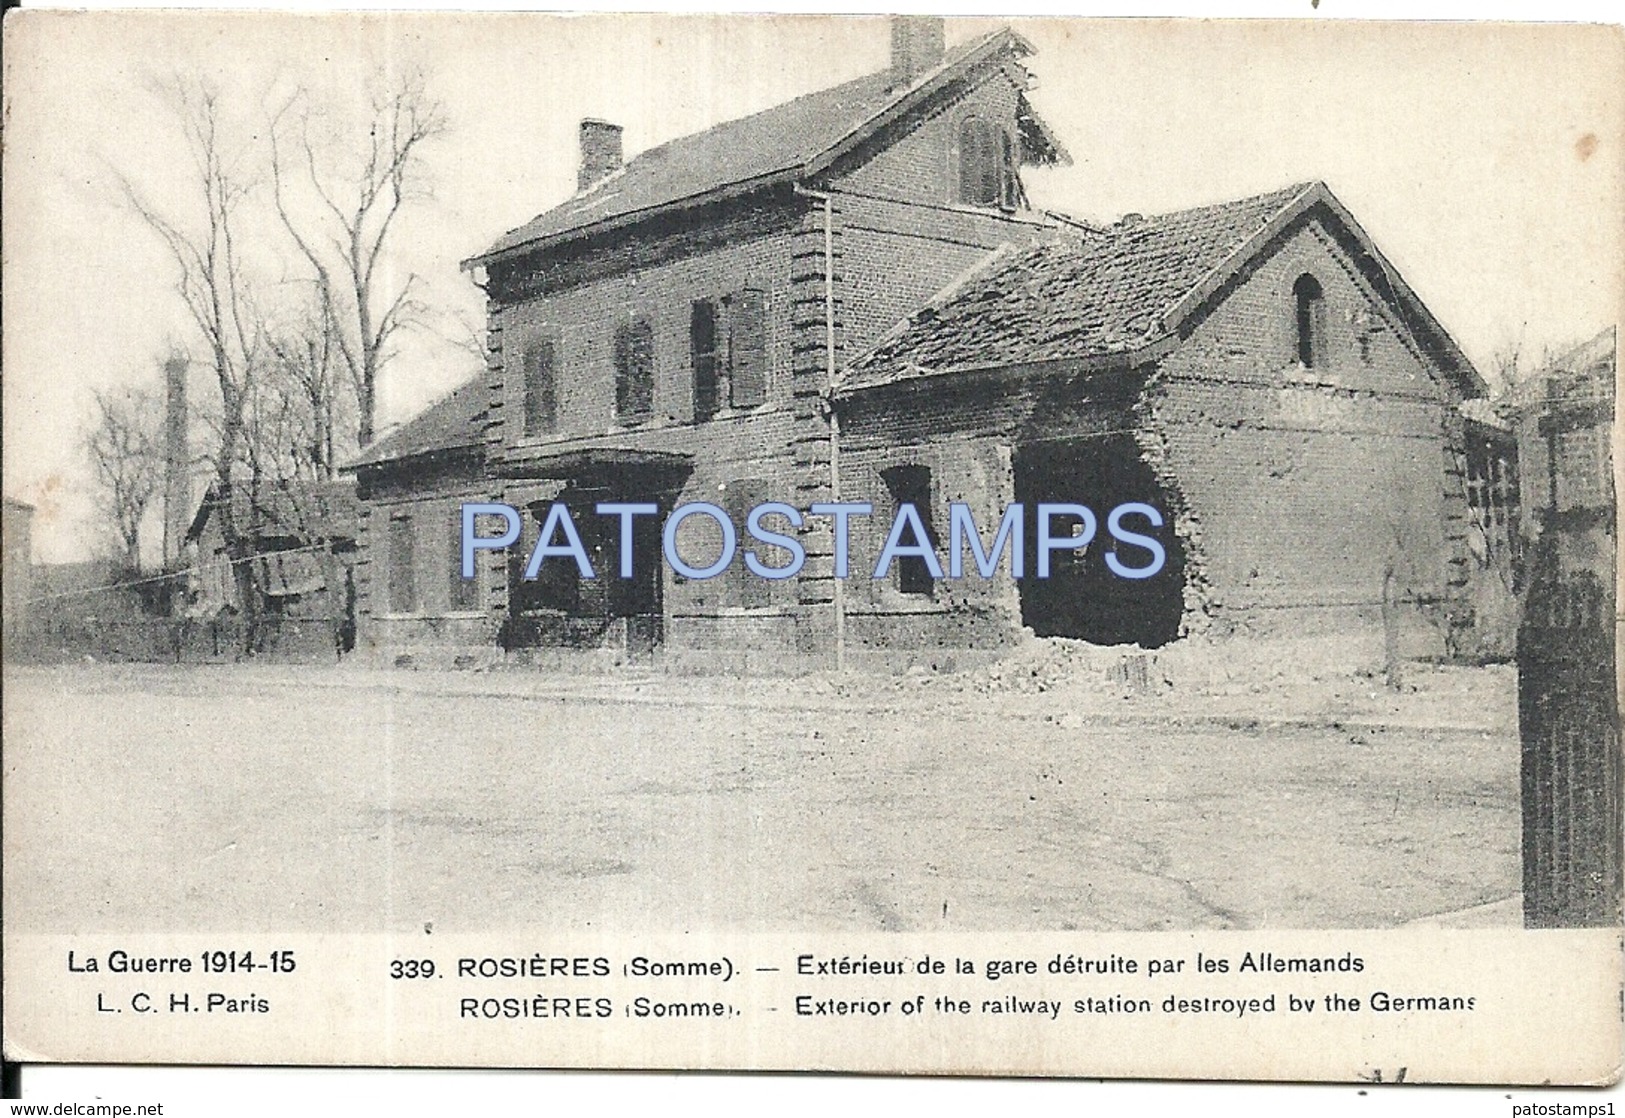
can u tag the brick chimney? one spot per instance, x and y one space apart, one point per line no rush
917 45
600 152
177 461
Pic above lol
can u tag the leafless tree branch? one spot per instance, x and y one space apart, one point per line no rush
357 214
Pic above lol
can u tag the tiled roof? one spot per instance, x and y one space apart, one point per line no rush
782 142
1103 294
456 422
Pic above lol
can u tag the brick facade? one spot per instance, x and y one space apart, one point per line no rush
834 260
1308 483
440 621
1299 493
1296 492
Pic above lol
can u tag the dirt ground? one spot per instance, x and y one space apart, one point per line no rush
143 797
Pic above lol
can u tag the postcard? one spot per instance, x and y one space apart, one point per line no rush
921 545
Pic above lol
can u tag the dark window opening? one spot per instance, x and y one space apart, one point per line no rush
402 585
561 608
557 585
463 593
1311 321
749 590
911 485
1492 496
986 165
634 370
1082 598
541 389
702 342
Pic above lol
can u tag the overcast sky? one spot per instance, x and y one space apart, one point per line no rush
1484 160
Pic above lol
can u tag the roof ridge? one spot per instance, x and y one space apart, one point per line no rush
1288 196
1286 193
796 147
950 58
721 124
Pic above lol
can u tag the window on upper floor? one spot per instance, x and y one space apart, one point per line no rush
747 347
1310 303
728 350
987 174
634 370
541 404
704 354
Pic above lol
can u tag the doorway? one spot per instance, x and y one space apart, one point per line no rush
559 608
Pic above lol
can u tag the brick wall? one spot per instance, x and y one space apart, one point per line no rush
1304 484
964 430
1295 487
897 256
429 493
656 276
868 260
922 164
902 236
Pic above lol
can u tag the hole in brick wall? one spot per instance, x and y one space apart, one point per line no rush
1082 598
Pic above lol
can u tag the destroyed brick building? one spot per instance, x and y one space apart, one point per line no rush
850 298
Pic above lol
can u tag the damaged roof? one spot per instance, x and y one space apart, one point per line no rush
786 143
1116 293
455 422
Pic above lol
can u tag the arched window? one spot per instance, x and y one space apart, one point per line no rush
986 170
1311 307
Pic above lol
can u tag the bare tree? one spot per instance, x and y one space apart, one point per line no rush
297 417
346 233
126 452
302 368
200 226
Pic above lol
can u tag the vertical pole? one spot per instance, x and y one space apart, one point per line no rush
838 600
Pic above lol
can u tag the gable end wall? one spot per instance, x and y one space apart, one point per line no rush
1305 485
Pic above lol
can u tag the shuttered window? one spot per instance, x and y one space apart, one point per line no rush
728 349
987 165
978 163
1007 172
402 584
541 388
463 594
747 348
634 370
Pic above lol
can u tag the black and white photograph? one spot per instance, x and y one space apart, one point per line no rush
593 505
